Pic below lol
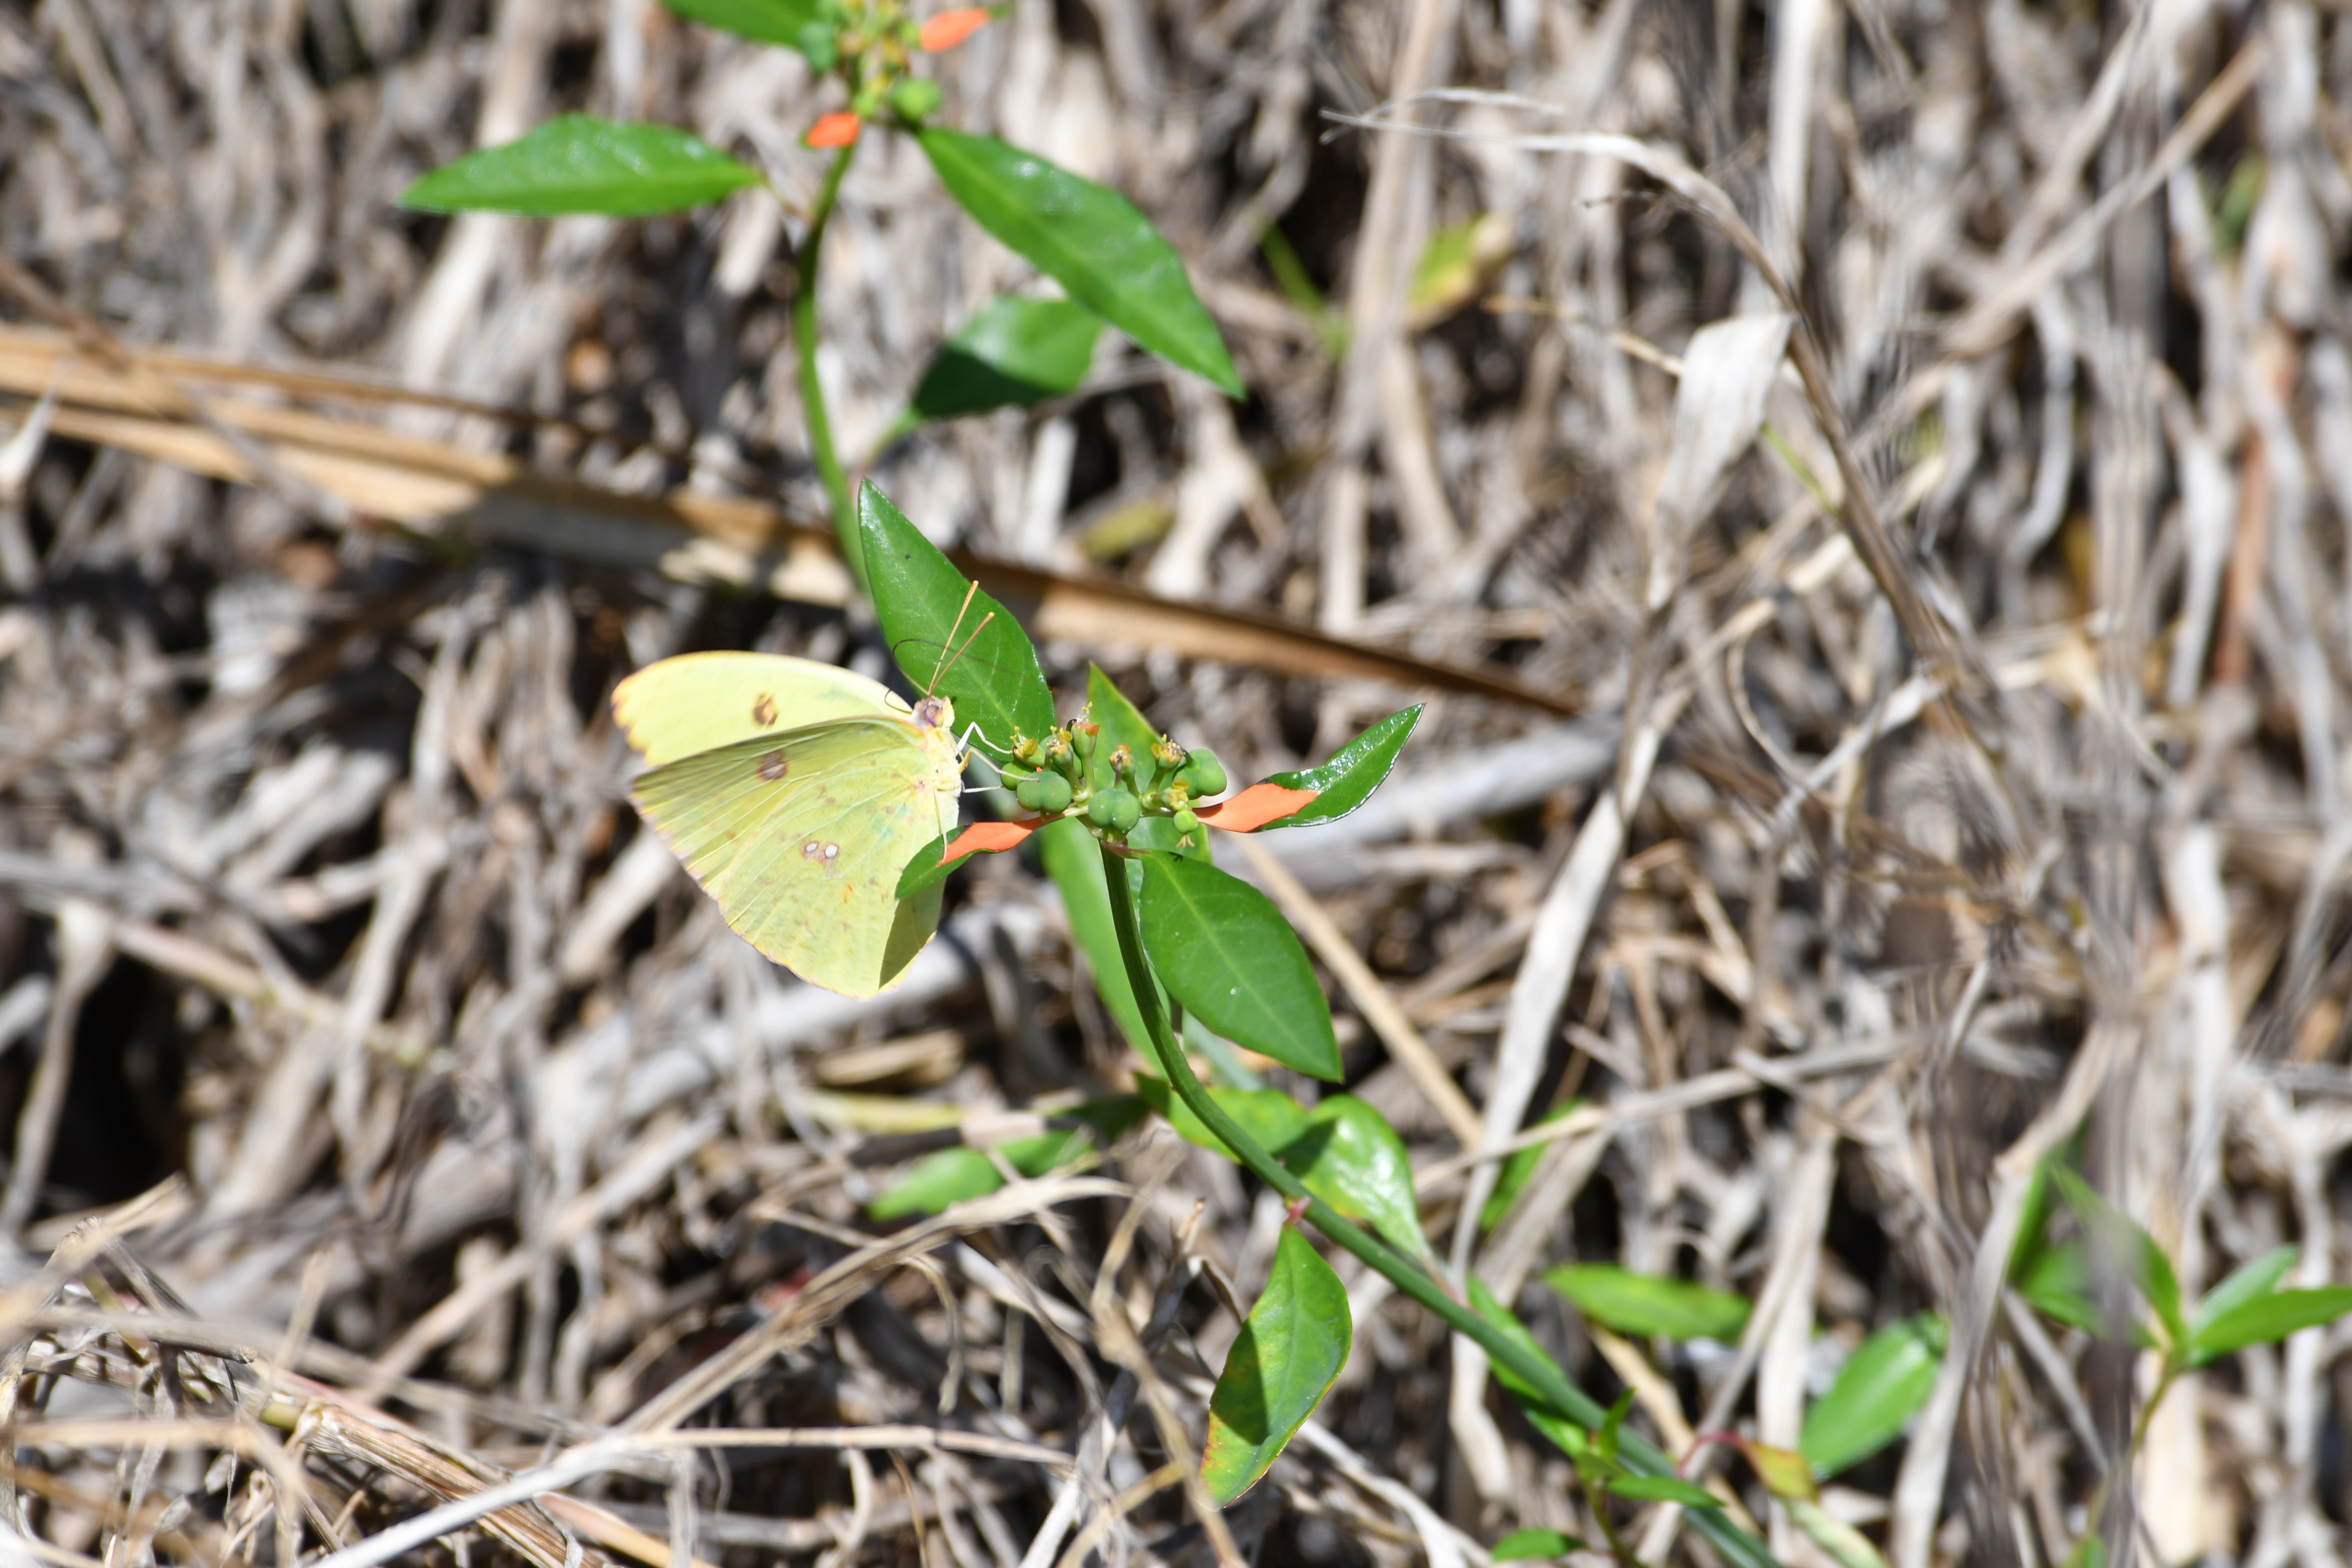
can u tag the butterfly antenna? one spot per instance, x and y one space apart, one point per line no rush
961 610
941 673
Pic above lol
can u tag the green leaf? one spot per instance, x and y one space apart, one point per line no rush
1224 951
1268 1115
2259 1278
1565 1433
1015 353
1525 1543
1513 1178
1349 779
581 165
1664 1488
1879 1388
1786 1473
1288 1356
951 1175
1074 864
1649 1304
1350 1157
1847 1547
927 869
1612 1425
2033 1223
994 678
937 1180
2268 1319
1090 240
807 25
2058 1284
2128 1243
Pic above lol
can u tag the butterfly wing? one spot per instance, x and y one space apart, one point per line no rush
801 838
700 702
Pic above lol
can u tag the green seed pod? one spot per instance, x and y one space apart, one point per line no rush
1202 774
1052 795
1032 793
1185 821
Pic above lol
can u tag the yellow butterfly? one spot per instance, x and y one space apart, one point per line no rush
796 792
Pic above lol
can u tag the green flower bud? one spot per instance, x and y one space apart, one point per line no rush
1202 774
1082 738
1052 795
1116 809
914 98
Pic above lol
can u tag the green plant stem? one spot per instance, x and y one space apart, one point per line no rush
1636 1454
804 341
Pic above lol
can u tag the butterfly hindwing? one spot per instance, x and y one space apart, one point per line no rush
800 837
700 702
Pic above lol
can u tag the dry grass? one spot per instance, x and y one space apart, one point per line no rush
393 1119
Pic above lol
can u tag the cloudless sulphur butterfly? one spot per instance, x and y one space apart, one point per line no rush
795 793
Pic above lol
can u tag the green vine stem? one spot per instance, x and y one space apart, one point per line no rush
804 342
1407 1276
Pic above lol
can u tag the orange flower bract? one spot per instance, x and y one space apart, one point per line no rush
949 28
836 130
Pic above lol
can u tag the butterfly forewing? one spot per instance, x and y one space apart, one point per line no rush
800 837
697 701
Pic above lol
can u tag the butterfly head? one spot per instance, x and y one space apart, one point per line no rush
934 713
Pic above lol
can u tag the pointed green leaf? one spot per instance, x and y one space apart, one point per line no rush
1665 1488
1650 1304
1350 1157
2259 1278
2268 1319
934 1181
1354 772
1286 1358
2132 1246
1612 1425
581 165
993 676
808 26
951 1175
1268 1115
1879 1388
2058 1284
1523 1544
1015 353
2033 1223
1785 1472
1090 240
1224 951
1565 1433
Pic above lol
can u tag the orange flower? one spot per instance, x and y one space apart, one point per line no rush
835 130
949 28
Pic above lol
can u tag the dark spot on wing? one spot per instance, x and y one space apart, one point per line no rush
764 711
774 765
